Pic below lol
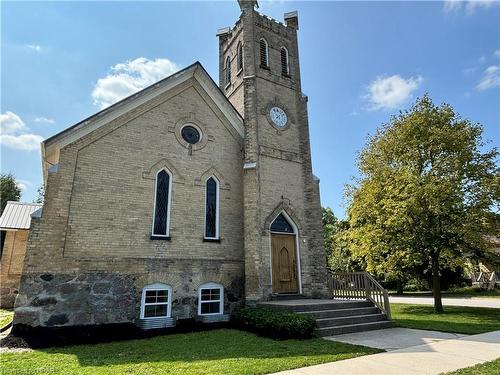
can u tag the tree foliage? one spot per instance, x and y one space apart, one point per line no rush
335 233
425 195
40 194
9 190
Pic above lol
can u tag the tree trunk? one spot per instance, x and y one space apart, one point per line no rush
399 287
436 285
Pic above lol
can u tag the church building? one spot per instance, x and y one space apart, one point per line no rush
186 200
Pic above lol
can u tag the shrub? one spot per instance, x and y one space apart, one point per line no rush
275 324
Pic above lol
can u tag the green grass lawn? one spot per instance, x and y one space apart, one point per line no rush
223 351
5 317
488 368
461 292
468 320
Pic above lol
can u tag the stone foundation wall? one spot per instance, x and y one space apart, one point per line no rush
66 299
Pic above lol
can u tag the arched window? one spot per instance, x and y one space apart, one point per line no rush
212 208
156 301
239 59
285 68
228 71
264 54
163 190
211 299
282 225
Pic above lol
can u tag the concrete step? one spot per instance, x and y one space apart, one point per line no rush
337 313
286 297
319 306
350 328
347 320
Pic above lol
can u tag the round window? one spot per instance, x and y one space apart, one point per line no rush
190 134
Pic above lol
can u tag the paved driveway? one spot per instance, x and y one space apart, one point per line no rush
450 301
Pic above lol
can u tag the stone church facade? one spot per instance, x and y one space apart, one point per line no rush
185 200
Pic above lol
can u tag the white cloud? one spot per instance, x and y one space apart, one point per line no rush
10 123
451 6
23 142
490 78
469 6
15 134
34 47
24 184
127 78
472 5
391 92
497 53
44 120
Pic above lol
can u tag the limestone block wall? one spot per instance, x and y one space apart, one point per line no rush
283 176
12 265
90 254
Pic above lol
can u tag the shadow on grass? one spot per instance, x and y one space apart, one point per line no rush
223 344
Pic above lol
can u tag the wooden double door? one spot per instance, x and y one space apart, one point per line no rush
284 263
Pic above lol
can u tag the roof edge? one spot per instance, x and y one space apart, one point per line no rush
47 142
190 71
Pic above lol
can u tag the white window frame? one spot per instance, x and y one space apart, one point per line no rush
267 52
217 210
221 298
157 286
239 57
287 61
170 182
227 71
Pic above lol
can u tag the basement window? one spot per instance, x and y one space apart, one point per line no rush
156 301
211 299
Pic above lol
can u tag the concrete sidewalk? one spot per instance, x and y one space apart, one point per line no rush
394 338
433 358
450 301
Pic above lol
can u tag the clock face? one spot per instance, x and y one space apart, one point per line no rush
278 117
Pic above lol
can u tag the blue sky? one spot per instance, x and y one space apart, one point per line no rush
360 63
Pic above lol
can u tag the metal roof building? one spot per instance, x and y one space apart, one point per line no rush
17 215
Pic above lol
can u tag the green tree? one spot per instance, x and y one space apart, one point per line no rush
40 194
425 195
329 227
9 190
335 233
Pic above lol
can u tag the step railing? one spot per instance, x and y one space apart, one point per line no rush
485 280
359 285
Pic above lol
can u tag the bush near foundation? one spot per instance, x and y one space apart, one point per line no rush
275 324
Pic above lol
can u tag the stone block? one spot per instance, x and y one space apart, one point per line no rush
57 320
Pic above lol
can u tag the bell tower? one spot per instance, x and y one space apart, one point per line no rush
259 73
